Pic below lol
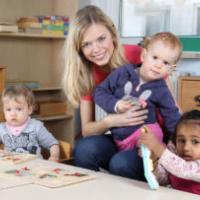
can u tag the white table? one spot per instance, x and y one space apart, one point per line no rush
104 187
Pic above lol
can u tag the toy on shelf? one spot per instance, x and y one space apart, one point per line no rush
148 166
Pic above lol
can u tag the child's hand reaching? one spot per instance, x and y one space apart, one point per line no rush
151 142
54 159
123 106
54 153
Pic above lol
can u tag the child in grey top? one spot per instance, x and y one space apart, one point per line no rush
20 133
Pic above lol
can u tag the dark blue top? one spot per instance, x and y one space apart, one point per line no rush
111 90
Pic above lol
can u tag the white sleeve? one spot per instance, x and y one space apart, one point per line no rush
177 166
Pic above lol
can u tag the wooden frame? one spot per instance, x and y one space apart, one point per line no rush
188 89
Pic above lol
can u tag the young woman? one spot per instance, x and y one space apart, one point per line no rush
93 50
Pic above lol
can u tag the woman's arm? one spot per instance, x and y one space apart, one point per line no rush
134 116
88 123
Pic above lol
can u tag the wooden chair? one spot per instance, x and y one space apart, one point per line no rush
65 152
1 146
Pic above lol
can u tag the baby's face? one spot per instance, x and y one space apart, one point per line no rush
157 61
188 141
16 110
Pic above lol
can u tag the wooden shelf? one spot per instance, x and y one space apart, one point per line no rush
33 57
31 35
53 118
191 54
43 89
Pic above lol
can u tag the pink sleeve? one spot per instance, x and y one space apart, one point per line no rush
87 98
179 167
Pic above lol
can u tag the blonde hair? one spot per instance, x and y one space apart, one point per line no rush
168 39
77 78
15 91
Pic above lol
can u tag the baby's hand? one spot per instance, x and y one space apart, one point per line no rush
123 105
54 153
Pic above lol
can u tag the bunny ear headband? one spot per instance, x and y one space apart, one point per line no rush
141 100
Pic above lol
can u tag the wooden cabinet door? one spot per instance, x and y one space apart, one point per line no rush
189 90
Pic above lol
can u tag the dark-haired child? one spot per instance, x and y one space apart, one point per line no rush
179 166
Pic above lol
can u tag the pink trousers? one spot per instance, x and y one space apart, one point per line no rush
131 141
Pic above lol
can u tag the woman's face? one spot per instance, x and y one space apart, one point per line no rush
97 44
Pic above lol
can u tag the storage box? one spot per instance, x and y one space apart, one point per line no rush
51 108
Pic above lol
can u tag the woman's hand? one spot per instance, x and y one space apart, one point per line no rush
123 106
132 117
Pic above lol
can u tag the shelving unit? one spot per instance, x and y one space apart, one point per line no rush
38 58
31 35
53 118
191 55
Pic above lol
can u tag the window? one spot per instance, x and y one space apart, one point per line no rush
197 19
140 18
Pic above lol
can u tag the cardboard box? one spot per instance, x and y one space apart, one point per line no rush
51 108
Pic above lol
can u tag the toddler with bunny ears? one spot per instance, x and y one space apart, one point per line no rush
145 86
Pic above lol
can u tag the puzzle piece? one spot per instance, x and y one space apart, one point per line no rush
46 176
15 158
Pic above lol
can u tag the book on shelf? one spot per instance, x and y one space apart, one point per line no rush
7 27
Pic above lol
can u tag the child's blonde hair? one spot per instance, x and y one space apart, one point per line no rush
77 77
15 91
169 39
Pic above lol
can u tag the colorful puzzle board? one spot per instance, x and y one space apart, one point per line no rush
47 176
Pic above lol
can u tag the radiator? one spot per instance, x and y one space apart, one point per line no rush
100 114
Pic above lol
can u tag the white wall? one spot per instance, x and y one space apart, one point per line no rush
110 7
83 3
